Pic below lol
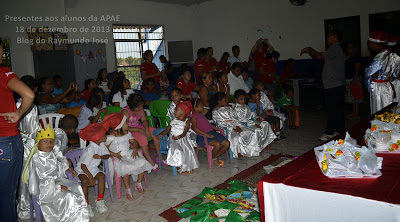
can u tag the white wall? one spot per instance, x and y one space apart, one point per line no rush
176 21
216 23
224 23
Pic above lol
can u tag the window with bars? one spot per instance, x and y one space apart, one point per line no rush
131 41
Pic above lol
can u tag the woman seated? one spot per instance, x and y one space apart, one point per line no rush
207 90
48 102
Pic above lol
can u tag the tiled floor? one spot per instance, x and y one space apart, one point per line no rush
165 191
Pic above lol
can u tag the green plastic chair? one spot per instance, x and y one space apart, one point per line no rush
110 109
159 109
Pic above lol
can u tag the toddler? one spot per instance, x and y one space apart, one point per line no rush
87 168
60 199
252 120
176 97
202 127
243 140
182 139
128 161
285 103
249 81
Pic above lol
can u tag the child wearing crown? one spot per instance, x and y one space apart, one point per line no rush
87 168
59 198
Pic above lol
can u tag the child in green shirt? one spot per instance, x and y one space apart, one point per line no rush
285 103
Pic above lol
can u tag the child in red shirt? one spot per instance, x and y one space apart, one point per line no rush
186 85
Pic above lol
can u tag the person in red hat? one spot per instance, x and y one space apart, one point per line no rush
182 139
129 161
384 67
87 168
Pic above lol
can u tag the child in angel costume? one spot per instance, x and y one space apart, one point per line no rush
182 140
252 120
87 167
60 199
127 161
243 140
383 69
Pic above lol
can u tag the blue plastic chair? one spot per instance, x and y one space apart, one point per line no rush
74 156
164 147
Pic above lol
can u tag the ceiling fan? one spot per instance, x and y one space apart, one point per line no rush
298 2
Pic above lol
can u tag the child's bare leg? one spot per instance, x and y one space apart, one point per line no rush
140 177
224 147
125 178
101 178
85 185
146 153
217 147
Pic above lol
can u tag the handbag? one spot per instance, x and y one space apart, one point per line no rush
356 91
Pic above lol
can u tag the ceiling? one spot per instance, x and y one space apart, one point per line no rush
178 2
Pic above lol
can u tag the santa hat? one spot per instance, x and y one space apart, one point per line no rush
378 37
114 121
186 106
93 132
393 40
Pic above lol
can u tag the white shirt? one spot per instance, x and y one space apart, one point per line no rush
122 101
233 59
83 117
236 83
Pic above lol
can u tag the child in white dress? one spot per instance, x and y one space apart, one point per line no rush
182 139
176 96
127 161
87 168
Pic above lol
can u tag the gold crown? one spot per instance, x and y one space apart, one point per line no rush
44 134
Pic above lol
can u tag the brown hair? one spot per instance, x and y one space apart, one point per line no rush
203 76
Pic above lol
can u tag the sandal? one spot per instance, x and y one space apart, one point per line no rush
219 163
128 192
156 168
139 188
162 162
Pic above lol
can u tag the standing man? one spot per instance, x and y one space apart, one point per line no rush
333 81
381 71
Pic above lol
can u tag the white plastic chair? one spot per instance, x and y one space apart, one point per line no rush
48 119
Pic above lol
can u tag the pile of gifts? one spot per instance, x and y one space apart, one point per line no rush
344 158
384 134
236 203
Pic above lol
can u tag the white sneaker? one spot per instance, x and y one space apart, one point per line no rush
101 206
90 210
325 137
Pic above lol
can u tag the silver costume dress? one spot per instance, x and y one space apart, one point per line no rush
128 165
46 175
171 110
245 115
387 65
28 126
181 153
268 105
249 142
60 140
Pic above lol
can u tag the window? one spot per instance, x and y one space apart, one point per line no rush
6 61
131 41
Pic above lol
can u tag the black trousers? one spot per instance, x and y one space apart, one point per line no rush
334 100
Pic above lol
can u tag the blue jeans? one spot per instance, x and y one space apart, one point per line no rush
11 151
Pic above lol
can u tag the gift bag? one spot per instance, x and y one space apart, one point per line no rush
356 90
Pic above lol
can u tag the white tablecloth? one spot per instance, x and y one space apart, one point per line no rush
292 204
